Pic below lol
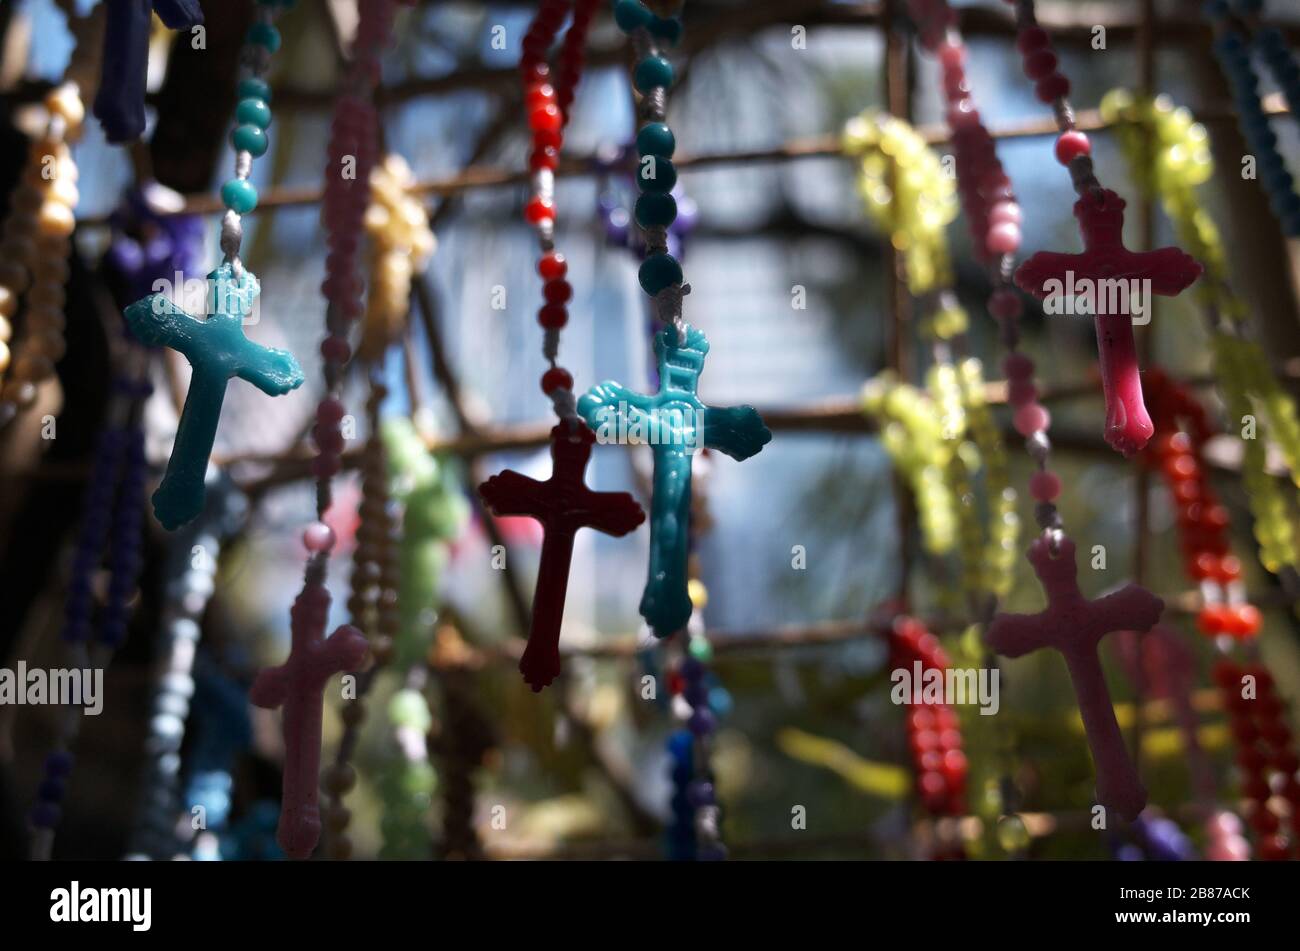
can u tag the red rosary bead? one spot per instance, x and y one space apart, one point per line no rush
539 209
557 292
553 316
556 378
1052 87
1070 145
552 266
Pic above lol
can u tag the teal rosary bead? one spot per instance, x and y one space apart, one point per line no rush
651 73
656 174
659 271
254 88
631 15
239 195
655 138
666 28
251 139
656 209
264 35
253 112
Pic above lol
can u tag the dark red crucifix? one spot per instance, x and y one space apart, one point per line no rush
1075 626
1109 273
299 686
563 504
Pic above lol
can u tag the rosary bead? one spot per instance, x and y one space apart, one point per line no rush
655 138
1040 64
1051 88
553 316
1032 38
557 292
253 112
1045 486
254 88
631 15
1031 418
264 35
546 118
545 157
655 210
538 210
1070 145
668 29
239 195
249 138
659 271
539 95
653 72
552 266
318 537
656 175
556 378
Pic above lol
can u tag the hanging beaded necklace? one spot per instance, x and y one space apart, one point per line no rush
112 520
563 504
37 242
1236 29
1100 212
298 685
216 347
1071 624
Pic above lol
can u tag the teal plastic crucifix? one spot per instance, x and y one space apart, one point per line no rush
675 424
217 350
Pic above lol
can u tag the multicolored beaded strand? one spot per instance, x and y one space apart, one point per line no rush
298 685
563 504
1233 37
216 347
37 242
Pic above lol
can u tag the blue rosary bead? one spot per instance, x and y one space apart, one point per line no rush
50 790
666 28
253 112
58 763
702 722
239 195
651 73
251 139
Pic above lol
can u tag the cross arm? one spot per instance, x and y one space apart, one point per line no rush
510 493
1013 635
1032 276
604 404
274 372
736 430
614 513
1131 608
156 322
271 688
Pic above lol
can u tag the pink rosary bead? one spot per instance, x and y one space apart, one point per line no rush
1006 304
1045 486
318 537
1031 418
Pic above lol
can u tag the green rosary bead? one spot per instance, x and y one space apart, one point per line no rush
656 210
251 139
631 15
651 73
655 138
254 88
239 195
656 174
666 28
659 271
264 35
253 112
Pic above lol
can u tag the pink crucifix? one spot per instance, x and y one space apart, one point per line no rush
563 504
299 686
1075 626
1110 273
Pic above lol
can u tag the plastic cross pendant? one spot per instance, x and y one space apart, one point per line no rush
119 105
218 350
675 424
299 686
1109 272
563 504
1075 626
